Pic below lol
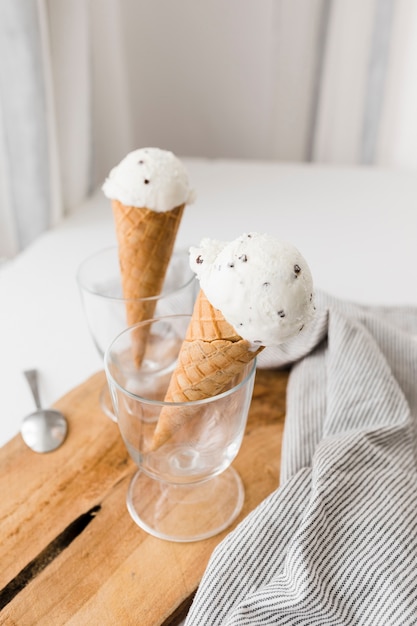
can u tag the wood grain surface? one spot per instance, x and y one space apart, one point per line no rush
69 551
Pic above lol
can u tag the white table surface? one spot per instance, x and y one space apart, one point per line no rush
357 228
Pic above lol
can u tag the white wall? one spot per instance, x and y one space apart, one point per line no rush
201 75
292 80
325 81
218 79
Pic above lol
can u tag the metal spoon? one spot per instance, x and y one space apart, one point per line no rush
45 429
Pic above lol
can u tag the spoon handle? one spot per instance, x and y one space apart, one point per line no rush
32 378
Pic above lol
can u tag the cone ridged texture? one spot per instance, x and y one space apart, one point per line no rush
208 323
146 240
211 356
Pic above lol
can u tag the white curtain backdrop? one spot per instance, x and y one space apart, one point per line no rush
26 126
83 82
57 121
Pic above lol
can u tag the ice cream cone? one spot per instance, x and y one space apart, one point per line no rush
146 240
211 356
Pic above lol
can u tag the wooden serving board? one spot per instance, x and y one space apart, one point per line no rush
69 551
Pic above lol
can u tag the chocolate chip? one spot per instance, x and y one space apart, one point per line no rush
297 270
146 181
243 258
231 264
281 313
199 260
141 162
301 328
266 284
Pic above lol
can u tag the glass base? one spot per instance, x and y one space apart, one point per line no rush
106 404
185 512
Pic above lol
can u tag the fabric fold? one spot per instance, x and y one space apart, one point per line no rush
336 543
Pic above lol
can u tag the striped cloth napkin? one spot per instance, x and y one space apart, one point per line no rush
336 543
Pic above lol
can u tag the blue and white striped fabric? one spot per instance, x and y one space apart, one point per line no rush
336 543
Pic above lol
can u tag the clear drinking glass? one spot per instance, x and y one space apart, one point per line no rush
184 489
99 283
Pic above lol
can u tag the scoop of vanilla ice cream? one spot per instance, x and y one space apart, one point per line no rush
151 178
262 286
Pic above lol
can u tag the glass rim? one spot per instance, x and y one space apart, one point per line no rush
95 292
163 403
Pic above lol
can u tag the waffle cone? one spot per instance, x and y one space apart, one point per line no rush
146 240
211 357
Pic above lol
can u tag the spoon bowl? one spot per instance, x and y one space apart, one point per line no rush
43 430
